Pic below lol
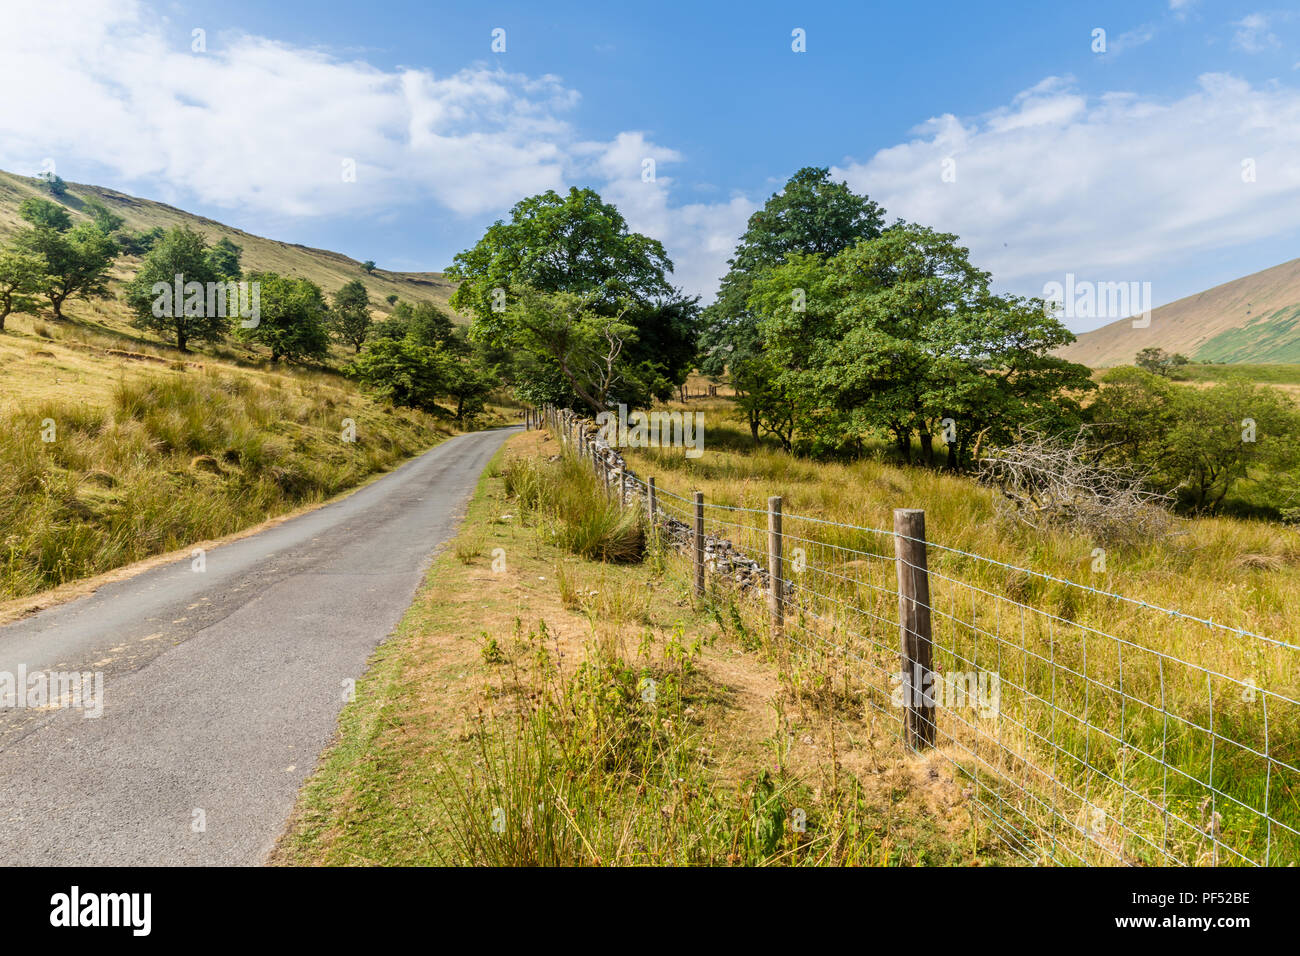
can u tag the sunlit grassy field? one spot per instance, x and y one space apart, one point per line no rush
175 456
1124 733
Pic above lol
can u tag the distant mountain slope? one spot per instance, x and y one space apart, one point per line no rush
329 270
1252 319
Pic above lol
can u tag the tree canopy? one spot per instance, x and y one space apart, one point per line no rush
901 334
810 216
570 264
350 316
293 316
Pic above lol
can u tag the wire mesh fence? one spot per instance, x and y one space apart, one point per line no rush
1088 727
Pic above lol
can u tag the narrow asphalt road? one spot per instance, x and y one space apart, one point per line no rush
221 686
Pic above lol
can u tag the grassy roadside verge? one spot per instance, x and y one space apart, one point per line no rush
539 707
179 456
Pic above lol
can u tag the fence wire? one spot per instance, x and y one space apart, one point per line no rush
1089 727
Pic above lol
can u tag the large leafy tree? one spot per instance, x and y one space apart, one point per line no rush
898 334
811 216
293 318
414 364
150 294
350 316
469 382
585 345
74 259
571 262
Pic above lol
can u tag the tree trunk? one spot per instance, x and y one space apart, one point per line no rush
927 447
180 341
903 439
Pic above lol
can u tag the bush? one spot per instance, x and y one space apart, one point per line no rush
584 520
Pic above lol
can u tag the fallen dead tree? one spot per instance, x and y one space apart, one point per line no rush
1050 481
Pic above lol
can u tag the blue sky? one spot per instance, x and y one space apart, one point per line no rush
1123 165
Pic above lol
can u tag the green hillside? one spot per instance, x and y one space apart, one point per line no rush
329 270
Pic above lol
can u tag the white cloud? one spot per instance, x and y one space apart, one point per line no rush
1107 187
1253 34
699 237
265 127
1132 39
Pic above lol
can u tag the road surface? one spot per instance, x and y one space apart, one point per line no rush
221 686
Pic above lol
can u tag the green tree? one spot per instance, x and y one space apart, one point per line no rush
55 184
368 266
579 248
151 294
223 259
469 382
43 214
429 325
404 372
1199 444
137 242
586 346
350 316
812 216
74 259
900 334
21 277
293 318
1151 359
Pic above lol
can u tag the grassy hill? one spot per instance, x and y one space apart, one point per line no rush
329 270
1252 319
115 447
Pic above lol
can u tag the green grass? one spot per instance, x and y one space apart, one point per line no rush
1279 374
175 457
1264 338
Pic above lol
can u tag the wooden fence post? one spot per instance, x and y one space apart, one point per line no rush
622 487
775 573
651 502
699 543
914 628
